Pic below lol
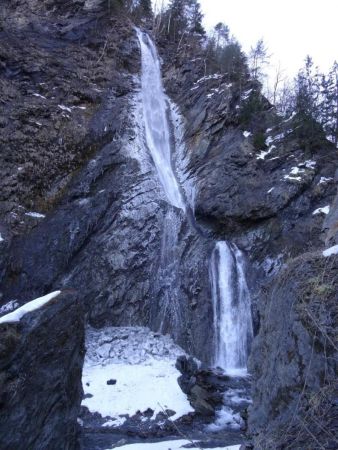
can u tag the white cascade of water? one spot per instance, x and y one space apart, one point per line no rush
232 311
230 294
156 121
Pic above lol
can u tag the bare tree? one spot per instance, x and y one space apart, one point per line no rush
258 60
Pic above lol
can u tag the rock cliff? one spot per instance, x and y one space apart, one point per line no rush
82 207
41 359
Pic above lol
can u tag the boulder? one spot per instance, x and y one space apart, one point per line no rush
41 359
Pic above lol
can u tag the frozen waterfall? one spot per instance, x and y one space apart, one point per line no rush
230 295
156 121
232 310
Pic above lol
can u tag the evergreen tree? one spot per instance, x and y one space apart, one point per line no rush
176 19
308 91
145 5
329 104
308 105
224 55
195 17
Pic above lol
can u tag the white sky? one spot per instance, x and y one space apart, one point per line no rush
291 29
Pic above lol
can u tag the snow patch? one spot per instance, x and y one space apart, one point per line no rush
1 238
171 445
40 96
324 180
308 164
270 190
246 94
246 134
331 251
9 307
117 422
35 214
288 177
290 118
65 108
296 171
215 76
17 315
143 365
264 153
325 210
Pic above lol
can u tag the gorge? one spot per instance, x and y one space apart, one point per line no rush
180 228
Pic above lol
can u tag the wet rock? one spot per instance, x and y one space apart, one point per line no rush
204 388
41 361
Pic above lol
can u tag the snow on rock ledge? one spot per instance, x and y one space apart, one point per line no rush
331 251
17 315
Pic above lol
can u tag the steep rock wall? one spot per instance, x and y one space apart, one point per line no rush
294 358
41 360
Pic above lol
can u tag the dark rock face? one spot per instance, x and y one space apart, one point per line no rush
41 360
294 358
74 59
256 182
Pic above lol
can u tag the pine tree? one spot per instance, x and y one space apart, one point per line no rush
329 104
176 19
195 17
308 91
146 7
308 105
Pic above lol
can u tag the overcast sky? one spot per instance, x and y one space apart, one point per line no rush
291 29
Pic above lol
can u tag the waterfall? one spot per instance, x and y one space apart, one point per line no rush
230 294
232 312
156 121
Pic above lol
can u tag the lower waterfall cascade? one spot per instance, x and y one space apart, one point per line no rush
232 309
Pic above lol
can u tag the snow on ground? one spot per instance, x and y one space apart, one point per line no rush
1 238
17 315
143 365
9 307
35 214
246 134
325 210
331 251
170 445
